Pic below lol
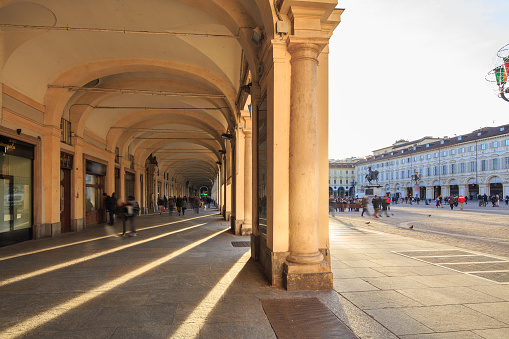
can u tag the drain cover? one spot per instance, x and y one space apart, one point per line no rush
241 243
304 318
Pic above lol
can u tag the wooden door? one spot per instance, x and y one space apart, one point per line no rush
65 200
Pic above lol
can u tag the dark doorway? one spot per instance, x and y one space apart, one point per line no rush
454 190
437 191
496 189
473 190
422 192
65 200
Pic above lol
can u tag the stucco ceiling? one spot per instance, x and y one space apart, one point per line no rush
148 57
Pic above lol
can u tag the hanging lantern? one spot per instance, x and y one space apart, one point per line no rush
500 75
506 65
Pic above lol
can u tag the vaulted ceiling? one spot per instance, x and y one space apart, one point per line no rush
156 77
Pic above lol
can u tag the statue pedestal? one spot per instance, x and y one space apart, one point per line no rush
372 190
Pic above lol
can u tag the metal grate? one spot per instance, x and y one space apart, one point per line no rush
241 243
487 267
304 318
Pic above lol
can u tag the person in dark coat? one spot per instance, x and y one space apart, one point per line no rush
133 208
196 204
180 203
171 206
376 205
112 206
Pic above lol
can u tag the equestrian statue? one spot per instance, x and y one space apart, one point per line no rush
372 175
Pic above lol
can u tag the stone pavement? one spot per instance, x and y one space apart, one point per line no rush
411 293
182 278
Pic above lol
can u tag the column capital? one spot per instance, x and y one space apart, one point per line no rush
306 47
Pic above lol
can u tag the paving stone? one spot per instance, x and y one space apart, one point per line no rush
393 283
499 311
398 322
352 285
379 299
360 263
451 318
497 333
499 291
444 335
447 295
356 272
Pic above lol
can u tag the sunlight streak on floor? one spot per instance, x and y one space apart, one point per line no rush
93 239
90 257
195 321
28 325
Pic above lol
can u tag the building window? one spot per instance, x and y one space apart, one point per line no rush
453 168
441 142
341 181
444 169
471 149
402 174
472 166
495 144
402 161
397 175
428 171
453 152
408 173
444 153
462 150
421 157
428 156
346 181
435 170
507 142
495 164
506 162
462 167
483 165
392 175
334 181
65 131
435 155
483 146
459 138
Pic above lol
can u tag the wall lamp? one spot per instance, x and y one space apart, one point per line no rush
222 152
226 136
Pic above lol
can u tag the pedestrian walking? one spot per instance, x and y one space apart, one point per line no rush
364 205
171 206
121 213
133 208
461 201
112 205
385 203
376 205
196 205
179 204
451 202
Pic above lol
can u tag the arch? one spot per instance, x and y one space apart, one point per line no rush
495 179
57 98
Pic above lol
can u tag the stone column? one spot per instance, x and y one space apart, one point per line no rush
78 207
137 184
121 194
51 173
247 225
305 267
110 174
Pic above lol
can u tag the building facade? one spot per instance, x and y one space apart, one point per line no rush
470 164
342 178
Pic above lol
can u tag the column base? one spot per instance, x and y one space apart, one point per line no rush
246 229
77 225
315 277
237 225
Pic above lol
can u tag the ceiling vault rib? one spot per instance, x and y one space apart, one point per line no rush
123 31
139 91
150 108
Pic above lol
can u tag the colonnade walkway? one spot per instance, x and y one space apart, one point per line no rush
182 278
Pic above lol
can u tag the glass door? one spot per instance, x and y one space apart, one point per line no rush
7 210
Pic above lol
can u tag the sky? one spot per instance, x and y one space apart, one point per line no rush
405 69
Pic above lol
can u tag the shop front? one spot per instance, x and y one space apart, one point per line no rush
16 191
454 188
437 189
94 187
129 184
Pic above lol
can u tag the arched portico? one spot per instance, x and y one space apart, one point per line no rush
166 98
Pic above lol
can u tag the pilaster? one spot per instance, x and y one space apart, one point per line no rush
77 179
51 178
